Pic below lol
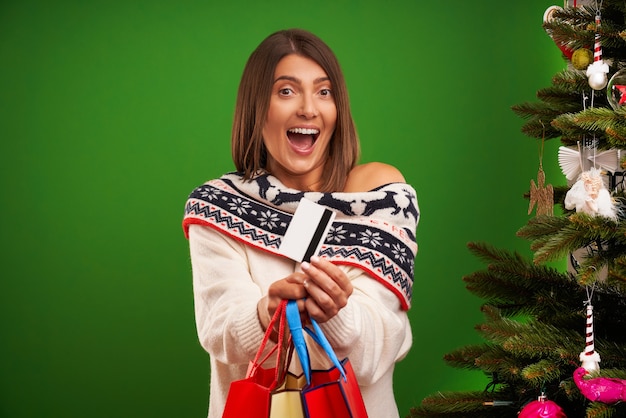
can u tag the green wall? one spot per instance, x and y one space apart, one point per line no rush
112 111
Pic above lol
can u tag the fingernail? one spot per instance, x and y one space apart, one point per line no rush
315 259
305 265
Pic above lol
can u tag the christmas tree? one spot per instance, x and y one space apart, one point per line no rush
555 338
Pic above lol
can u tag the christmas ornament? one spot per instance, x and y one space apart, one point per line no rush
600 389
573 162
581 58
542 408
589 358
616 89
548 16
541 194
590 196
597 71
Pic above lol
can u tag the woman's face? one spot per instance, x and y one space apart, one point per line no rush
300 122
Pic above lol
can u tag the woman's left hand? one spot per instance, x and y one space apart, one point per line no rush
328 289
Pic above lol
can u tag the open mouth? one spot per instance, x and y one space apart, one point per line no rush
302 138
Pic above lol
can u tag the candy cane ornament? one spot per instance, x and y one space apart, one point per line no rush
598 69
589 357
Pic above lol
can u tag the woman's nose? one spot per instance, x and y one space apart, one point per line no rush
308 109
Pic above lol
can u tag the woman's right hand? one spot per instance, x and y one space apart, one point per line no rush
289 288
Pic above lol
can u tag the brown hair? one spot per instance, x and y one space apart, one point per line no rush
253 98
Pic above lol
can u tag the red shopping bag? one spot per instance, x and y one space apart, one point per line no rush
267 393
332 393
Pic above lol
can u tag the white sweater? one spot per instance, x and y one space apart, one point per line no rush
228 280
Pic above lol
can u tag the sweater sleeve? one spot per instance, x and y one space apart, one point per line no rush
372 329
225 297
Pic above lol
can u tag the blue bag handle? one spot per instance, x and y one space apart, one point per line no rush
296 328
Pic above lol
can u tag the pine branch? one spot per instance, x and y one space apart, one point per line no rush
540 340
608 126
537 112
593 121
570 27
614 373
576 28
573 81
562 100
540 226
497 290
617 272
616 136
515 286
613 355
601 410
553 237
596 119
543 371
594 227
466 356
490 253
616 131
464 404
500 330
540 128
499 363
576 16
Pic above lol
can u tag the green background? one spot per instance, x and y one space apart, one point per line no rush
112 111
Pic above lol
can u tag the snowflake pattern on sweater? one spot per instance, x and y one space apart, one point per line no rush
373 231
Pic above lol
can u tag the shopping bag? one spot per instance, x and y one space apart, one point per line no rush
267 392
286 401
332 393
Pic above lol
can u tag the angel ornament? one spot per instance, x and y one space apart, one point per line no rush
590 196
541 195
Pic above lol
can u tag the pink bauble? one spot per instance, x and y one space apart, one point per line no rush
542 408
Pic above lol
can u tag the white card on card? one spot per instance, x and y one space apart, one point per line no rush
307 231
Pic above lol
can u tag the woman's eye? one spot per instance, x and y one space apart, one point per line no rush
325 92
285 92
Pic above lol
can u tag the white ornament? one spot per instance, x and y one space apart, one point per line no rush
590 196
597 73
572 162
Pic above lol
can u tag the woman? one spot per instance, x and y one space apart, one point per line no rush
293 138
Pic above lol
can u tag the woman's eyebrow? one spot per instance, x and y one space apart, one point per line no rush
298 81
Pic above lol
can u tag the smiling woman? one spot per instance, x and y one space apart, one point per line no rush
293 139
300 122
261 84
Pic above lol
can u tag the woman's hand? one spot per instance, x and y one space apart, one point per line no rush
328 289
324 285
291 287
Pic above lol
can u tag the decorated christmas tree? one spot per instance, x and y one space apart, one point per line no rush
555 337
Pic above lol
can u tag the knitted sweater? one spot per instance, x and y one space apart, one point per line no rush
234 230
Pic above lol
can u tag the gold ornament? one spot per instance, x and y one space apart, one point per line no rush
581 58
541 195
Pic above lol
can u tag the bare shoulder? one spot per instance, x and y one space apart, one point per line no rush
366 177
